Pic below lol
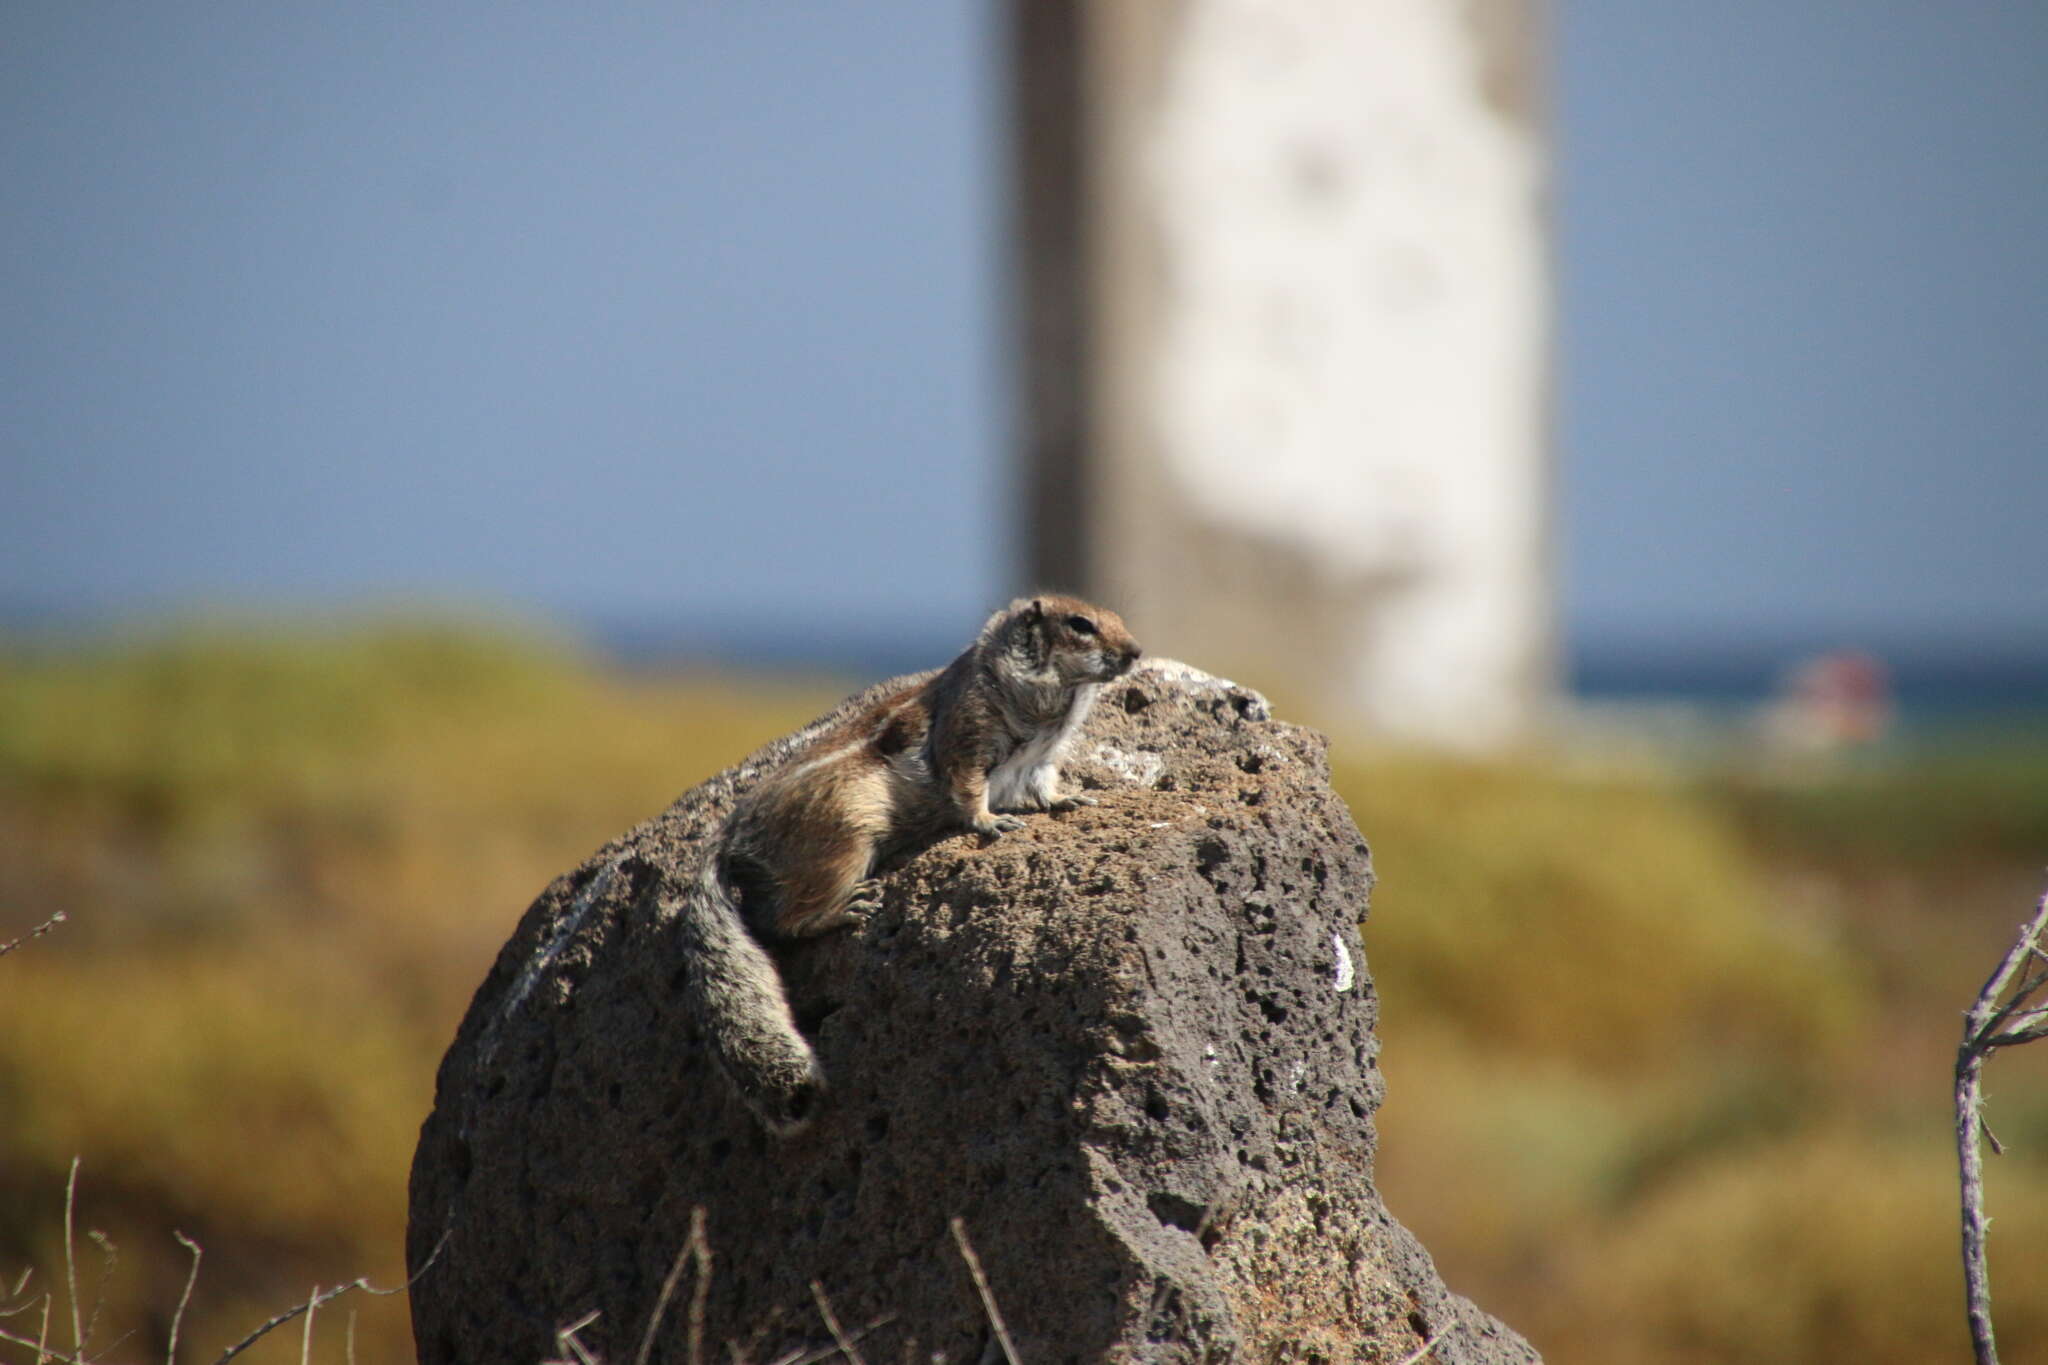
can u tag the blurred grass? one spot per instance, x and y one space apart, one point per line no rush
1603 921
1667 1052
288 857
1957 798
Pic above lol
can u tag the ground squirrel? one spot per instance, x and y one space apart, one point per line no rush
796 856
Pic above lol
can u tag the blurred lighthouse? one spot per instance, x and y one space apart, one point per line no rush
1283 319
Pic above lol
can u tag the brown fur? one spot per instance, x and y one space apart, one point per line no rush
802 846
913 766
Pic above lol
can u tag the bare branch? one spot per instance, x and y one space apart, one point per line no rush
2031 1032
1983 1034
988 1298
45 927
668 1287
109 1257
24 1299
281 1319
700 1293
744 1355
191 1278
816 1354
832 1325
2025 946
1415 1356
43 1350
41 1343
2028 1017
70 1259
2016 1002
1970 1157
573 1351
697 1247
328 1296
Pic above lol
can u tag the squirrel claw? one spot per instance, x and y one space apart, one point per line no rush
864 899
1074 802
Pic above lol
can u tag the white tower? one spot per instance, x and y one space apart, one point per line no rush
1284 324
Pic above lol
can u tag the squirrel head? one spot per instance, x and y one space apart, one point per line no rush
1061 638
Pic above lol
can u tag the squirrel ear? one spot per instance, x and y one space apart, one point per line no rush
1037 608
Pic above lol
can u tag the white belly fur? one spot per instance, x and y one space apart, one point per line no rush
1029 779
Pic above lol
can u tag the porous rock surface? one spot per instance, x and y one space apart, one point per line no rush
1130 1047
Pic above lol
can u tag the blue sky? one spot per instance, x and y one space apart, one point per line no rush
692 312
1804 319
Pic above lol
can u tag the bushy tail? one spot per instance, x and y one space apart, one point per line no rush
735 995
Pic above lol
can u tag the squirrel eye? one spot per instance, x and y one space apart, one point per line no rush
1080 625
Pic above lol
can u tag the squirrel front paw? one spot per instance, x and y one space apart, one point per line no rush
1074 802
996 826
864 900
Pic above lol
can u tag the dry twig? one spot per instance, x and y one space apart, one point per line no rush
820 1353
28 1301
1415 1356
832 1325
988 1298
321 1297
694 1247
744 1355
109 1258
191 1278
45 927
45 1351
573 1352
70 1259
700 1292
1988 1026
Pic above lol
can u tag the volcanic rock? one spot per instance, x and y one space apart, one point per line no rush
1129 1049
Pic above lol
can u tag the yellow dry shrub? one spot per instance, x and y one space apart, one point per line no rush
1630 1109
244 1079
1618 923
1834 1245
252 1096
288 858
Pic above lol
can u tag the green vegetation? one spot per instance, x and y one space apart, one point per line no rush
1668 1057
1667 1053
287 858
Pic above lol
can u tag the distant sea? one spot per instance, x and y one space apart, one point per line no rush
1934 683
1926 677
1946 697
1964 679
